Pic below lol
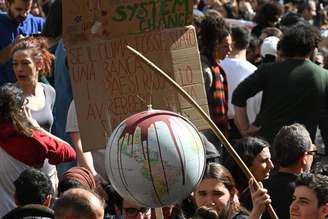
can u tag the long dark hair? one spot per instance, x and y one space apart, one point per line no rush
247 148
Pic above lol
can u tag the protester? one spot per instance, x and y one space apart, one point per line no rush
195 11
237 69
33 194
253 52
218 192
215 45
22 145
16 24
270 31
123 208
3 7
310 199
85 159
46 5
76 177
33 187
307 10
293 153
79 203
294 90
257 157
268 16
60 79
132 211
269 51
31 60
36 9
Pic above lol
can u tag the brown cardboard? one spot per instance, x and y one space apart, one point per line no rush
86 20
110 84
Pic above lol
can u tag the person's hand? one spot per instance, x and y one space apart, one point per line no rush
260 199
28 114
19 38
250 131
206 213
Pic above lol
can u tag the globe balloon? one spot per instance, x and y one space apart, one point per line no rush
155 158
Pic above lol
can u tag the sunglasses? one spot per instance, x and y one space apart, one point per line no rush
133 212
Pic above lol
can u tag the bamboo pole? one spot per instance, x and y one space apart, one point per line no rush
212 125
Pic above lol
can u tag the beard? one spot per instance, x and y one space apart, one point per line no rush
225 212
18 19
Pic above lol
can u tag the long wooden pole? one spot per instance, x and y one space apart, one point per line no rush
212 125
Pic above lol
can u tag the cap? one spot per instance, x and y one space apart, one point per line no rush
269 46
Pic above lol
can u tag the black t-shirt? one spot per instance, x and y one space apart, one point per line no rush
245 199
280 187
240 215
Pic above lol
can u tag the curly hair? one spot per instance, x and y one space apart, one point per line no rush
32 187
213 29
300 40
267 13
12 100
40 53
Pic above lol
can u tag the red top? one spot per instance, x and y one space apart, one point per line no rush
34 150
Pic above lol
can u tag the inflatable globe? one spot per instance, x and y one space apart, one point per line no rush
155 158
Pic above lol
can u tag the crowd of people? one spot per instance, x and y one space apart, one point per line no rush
263 64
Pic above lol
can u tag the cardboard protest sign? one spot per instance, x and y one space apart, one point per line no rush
110 84
85 19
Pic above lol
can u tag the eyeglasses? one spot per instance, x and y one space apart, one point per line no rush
133 212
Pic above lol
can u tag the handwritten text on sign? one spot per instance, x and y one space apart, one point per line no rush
111 19
110 84
154 15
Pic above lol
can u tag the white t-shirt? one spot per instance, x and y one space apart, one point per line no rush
10 171
98 156
237 70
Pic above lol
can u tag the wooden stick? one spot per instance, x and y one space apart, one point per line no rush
212 125
159 213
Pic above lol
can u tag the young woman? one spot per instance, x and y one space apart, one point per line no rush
257 157
22 145
31 60
217 193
